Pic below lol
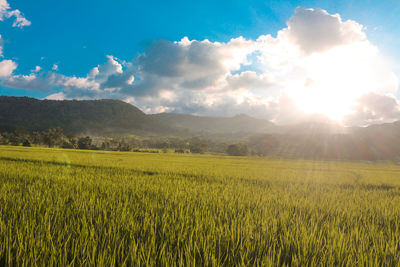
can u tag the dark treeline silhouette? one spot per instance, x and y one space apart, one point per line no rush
51 138
55 137
360 145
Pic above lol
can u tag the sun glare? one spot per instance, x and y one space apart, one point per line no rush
332 106
336 78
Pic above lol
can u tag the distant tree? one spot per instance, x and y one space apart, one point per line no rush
13 139
237 150
263 145
84 142
124 146
178 143
47 140
26 143
53 137
105 145
73 140
37 138
67 144
110 144
20 130
198 146
4 140
221 147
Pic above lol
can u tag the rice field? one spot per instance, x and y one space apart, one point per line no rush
73 208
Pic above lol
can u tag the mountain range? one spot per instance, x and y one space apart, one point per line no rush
113 117
108 116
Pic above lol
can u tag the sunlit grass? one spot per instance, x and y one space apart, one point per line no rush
65 207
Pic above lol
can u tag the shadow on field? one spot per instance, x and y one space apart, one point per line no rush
210 179
368 187
67 164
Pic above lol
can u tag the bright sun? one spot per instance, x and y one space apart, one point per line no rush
333 106
337 78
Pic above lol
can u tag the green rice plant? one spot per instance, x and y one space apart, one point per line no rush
72 208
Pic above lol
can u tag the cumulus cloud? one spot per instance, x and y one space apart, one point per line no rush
317 64
192 65
194 60
103 71
37 69
374 108
5 12
249 79
73 87
45 82
195 102
315 30
7 67
20 21
56 96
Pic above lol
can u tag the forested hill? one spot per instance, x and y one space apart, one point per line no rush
110 117
73 116
103 117
240 123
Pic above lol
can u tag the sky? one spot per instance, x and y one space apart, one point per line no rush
288 62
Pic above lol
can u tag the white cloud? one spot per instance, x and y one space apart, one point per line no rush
315 30
191 65
317 64
374 108
1 46
5 12
20 20
4 7
37 69
7 67
249 80
33 81
56 96
82 83
103 71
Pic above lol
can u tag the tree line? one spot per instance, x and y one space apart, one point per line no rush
356 146
55 137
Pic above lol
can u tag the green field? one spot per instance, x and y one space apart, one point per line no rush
68 207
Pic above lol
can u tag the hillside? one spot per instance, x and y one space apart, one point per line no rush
217 125
95 116
109 117
114 116
375 142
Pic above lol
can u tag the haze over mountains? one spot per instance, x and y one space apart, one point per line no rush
221 125
114 117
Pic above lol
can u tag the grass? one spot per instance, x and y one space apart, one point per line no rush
67 207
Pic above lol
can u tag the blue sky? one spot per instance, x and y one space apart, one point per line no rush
77 35
62 31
